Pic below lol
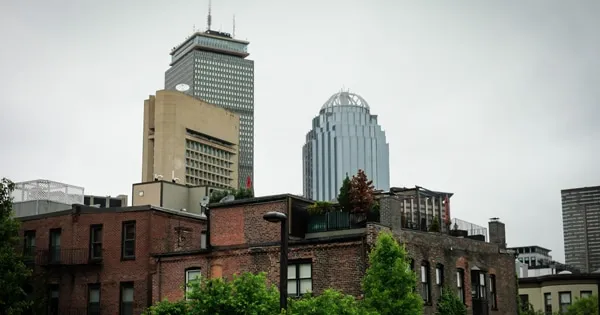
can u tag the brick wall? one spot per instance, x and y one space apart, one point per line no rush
75 234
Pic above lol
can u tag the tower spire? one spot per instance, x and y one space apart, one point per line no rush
209 19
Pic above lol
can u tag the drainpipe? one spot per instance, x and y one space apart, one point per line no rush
159 280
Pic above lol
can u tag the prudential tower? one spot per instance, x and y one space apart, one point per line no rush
345 137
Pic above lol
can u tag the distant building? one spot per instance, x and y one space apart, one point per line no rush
533 256
344 138
172 195
105 201
215 67
581 214
189 141
554 293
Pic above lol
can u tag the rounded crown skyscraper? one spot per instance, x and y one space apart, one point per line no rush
345 137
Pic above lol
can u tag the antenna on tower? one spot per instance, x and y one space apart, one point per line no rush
233 26
209 19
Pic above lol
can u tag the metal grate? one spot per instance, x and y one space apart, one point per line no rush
42 189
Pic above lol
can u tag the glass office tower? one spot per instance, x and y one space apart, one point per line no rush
215 67
345 137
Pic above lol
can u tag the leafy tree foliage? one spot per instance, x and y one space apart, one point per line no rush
361 193
14 273
320 207
584 306
344 196
241 193
168 308
435 225
450 304
329 302
389 281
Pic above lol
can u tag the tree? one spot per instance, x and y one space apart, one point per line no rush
389 282
245 294
329 302
241 193
450 304
361 193
344 196
168 308
435 224
584 306
15 274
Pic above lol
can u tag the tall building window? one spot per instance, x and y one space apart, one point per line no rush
96 242
54 247
460 284
93 299
128 240
585 294
564 300
548 303
439 278
299 278
493 298
126 303
192 275
203 239
29 243
53 299
425 283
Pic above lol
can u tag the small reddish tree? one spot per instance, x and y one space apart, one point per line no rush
361 193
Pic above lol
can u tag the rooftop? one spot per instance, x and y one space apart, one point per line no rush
345 98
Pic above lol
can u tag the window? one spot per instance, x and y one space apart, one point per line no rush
192 275
128 241
299 278
425 283
564 300
585 294
29 243
126 307
203 239
93 299
524 301
96 242
54 247
493 298
548 303
53 294
439 277
460 284
478 284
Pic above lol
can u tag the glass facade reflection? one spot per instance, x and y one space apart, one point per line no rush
345 137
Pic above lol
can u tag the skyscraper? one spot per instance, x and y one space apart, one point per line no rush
214 65
345 137
581 214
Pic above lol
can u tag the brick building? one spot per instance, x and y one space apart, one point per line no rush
98 261
332 251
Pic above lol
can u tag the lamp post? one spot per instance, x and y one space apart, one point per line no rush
277 217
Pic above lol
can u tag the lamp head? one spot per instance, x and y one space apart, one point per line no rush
275 216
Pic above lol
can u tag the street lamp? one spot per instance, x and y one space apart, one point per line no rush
276 217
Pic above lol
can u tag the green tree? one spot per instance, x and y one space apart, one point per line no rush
329 302
241 193
389 282
245 294
361 193
435 224
450 304
14 273
168 308
584 306
344 196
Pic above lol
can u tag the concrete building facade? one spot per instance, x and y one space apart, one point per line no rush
581 214
189 140
172 195
215 67
344 138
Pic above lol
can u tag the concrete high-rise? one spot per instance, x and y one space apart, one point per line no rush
581 214
214 65
345 137
189 139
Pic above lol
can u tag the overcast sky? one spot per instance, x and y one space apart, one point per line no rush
496 101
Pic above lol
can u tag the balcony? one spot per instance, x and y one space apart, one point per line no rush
338 220
67 257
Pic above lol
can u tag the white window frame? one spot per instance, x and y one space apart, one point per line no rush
188 280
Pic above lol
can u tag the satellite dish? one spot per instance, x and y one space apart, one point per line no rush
182 87
205 200
227 198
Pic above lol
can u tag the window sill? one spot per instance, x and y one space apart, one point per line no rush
128 258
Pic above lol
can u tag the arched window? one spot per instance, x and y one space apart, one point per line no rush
192 275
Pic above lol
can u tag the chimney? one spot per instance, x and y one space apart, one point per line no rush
497 232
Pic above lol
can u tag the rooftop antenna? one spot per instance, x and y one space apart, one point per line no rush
233 35
209 19
194 28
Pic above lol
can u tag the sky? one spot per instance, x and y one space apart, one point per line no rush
495 101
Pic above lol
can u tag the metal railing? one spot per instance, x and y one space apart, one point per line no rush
66 256
472 229
337 220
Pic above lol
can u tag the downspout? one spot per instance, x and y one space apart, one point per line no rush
159 273
208 246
